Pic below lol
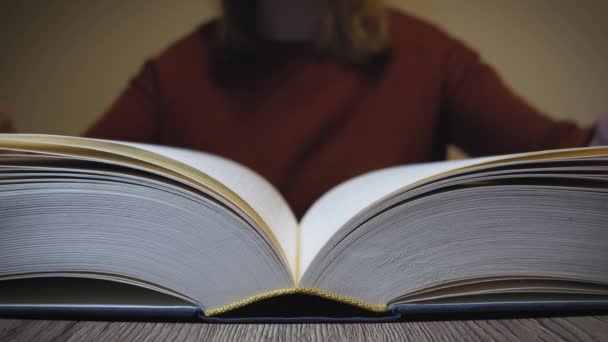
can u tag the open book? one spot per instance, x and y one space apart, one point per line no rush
187 228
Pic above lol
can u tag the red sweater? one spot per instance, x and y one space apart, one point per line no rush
307 123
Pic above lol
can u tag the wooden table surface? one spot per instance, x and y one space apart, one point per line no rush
588 328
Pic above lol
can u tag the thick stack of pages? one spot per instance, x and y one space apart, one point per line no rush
185 228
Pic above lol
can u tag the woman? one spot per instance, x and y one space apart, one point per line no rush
310 93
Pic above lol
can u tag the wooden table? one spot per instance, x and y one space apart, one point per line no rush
588 328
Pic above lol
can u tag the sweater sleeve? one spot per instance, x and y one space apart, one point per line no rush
485 117
134 116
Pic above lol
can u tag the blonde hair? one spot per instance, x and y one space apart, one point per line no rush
352 31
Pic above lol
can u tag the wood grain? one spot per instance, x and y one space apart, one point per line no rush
590 328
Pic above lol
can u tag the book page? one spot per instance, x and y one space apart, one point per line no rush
250 186
234 183
347 200
334 209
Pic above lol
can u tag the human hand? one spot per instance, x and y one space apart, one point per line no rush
600 136
5 122
5 126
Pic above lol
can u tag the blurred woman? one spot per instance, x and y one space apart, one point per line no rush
310 93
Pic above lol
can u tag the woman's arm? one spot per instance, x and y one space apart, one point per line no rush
136 113
600 136
486 117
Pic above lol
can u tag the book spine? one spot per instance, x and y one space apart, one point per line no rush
295 290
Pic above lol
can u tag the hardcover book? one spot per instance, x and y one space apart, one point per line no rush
105 225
